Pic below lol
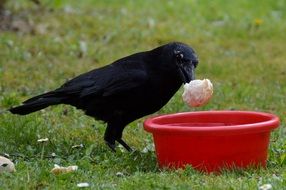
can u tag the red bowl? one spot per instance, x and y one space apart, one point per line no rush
212 140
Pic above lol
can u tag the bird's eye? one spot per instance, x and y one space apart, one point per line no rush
179 55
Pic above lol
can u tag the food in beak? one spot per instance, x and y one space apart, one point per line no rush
197 92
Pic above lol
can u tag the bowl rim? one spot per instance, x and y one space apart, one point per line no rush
271 123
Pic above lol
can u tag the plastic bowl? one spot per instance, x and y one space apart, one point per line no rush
212 140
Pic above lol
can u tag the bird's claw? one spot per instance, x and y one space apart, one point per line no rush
126 146
120 141
111 146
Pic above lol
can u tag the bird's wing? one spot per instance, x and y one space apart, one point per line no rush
116 82
106 81
126 81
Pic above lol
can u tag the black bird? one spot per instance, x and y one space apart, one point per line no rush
127 89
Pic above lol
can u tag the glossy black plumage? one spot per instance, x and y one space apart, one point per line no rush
129 88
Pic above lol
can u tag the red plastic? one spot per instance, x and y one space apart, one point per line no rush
212 140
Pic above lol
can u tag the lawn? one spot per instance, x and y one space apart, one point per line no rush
241 47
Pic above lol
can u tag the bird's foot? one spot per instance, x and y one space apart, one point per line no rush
111 146
120 141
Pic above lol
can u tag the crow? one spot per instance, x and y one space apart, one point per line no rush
125 90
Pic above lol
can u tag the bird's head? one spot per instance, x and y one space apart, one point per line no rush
186 61
179 58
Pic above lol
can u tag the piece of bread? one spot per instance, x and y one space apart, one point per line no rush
60 170
197 92
6 165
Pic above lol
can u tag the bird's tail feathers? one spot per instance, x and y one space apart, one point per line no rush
37 103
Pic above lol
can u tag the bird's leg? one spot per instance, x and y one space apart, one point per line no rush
109 137
113 133
118 138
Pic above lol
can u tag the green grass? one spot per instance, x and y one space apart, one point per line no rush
244 60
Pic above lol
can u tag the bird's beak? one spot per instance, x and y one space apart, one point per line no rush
187 73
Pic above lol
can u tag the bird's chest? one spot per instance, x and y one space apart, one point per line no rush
155 94
164 84
148 98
